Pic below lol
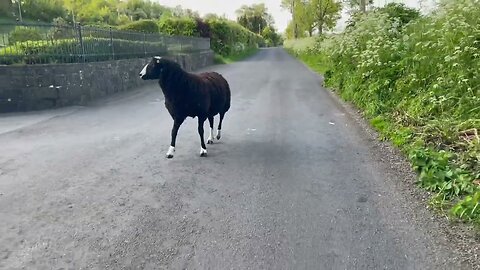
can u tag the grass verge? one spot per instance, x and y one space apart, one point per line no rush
219 59
415 78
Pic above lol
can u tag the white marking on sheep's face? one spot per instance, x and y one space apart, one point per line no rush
144 71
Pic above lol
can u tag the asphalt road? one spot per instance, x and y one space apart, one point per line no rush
292 184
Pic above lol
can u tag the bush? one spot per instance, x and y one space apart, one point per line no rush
179 27
203 28
146 26
60 30
230 38
22 33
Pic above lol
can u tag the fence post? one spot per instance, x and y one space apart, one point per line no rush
80 39
111 44
144 45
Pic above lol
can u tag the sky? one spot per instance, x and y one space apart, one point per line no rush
281 16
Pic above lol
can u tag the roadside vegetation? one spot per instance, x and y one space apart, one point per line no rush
253 28
416 78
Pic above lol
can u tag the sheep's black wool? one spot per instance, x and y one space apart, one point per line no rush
187 94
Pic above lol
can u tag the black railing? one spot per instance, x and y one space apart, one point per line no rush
50 43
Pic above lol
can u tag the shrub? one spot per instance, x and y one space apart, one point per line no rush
229 38
146 26
179 26
203 28
22 33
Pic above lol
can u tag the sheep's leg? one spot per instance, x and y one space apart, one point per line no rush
203 150
176 125
219 130
210 137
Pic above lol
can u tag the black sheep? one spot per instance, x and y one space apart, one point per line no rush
186 94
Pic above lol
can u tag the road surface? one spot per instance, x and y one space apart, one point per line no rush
293 184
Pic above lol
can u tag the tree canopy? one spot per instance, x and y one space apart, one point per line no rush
255 17
311 15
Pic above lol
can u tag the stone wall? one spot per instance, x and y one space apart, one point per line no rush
38 87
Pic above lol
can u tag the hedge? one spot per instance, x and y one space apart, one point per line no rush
69 50
146 26
230 38
179 27
227 37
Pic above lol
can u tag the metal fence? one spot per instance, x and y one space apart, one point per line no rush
49 43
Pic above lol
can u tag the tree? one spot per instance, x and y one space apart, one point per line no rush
42 10
358 5
304 17
255 17
325 13
290 31
6 8
290 6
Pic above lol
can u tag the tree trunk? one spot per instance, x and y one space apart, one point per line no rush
295 26
310 32
363 6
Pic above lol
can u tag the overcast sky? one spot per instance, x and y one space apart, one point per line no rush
226 7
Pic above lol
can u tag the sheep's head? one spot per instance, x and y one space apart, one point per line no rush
156 67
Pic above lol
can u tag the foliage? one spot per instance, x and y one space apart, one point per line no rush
42 10
146 26
325 13
46 51
255 17
305 17
271 37
203 28
20 34
60 30
185 26
218 59
468 208
230 38
6 8
291 32
355 5
417 78
400 13
308 15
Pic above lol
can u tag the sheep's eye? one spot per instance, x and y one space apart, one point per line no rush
158 61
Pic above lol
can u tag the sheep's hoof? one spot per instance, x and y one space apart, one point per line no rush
209 141
170 152
203 152
219 134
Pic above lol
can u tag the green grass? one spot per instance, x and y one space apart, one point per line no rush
218 59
